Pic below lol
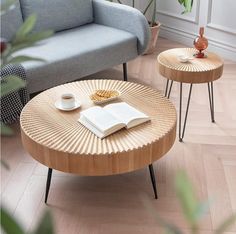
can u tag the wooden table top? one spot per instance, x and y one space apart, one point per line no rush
197 70
57 140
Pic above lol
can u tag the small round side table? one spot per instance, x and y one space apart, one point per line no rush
195 71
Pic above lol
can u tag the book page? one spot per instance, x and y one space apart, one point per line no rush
91 127
100 119
126 114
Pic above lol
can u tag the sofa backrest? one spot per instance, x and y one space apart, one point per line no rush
11 21
58 15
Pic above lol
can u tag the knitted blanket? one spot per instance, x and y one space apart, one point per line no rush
13 103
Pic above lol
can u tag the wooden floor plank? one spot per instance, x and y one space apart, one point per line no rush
230 174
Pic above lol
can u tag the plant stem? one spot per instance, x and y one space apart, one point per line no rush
194 229
154 13
133 3
148 5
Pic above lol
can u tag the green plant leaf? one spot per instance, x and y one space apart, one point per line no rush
4 164
169 228
119 1
5 130
9 224
147 7
201 209
172 231
45 225
27 26
7 50
11 84
226 224
154 13
188 4
20 46
7 5
32 38
23 58
187 198
38 36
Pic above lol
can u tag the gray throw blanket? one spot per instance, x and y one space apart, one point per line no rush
13 103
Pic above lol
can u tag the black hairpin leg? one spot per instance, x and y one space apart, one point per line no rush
181 132
168 89
48 184
152 174
125 72
167 86
211 100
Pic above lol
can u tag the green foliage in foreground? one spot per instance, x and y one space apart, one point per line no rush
193 209
188 4
10 226
24 38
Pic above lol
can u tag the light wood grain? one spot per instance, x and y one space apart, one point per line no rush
197 70
114 204
59 141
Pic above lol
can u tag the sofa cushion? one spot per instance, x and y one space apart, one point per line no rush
78 52
11 21
58 15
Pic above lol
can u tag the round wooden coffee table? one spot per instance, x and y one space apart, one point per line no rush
196 71
57 140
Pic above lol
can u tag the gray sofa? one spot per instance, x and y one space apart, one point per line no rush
90 36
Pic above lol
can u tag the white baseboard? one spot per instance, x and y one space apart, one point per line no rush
224 50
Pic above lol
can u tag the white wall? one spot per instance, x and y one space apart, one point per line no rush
217 16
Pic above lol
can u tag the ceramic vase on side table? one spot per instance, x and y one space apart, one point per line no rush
200 43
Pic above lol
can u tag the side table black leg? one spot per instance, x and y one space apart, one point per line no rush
211 101
152 174
168 89
48 184
180 111
167 85
181 132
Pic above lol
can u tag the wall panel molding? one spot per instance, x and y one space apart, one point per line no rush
213 25
222 28
222 38
186 38
188 19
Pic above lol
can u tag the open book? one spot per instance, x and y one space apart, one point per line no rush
111 118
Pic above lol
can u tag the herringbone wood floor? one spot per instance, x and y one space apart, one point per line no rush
114 204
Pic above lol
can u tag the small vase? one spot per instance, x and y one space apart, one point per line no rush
200 43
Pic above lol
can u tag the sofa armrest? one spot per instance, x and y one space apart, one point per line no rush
123 17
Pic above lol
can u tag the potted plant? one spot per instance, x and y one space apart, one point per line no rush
154 27
154 24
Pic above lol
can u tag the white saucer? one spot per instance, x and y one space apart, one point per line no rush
60 107
184 59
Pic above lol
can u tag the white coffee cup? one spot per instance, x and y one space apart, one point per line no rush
67 100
